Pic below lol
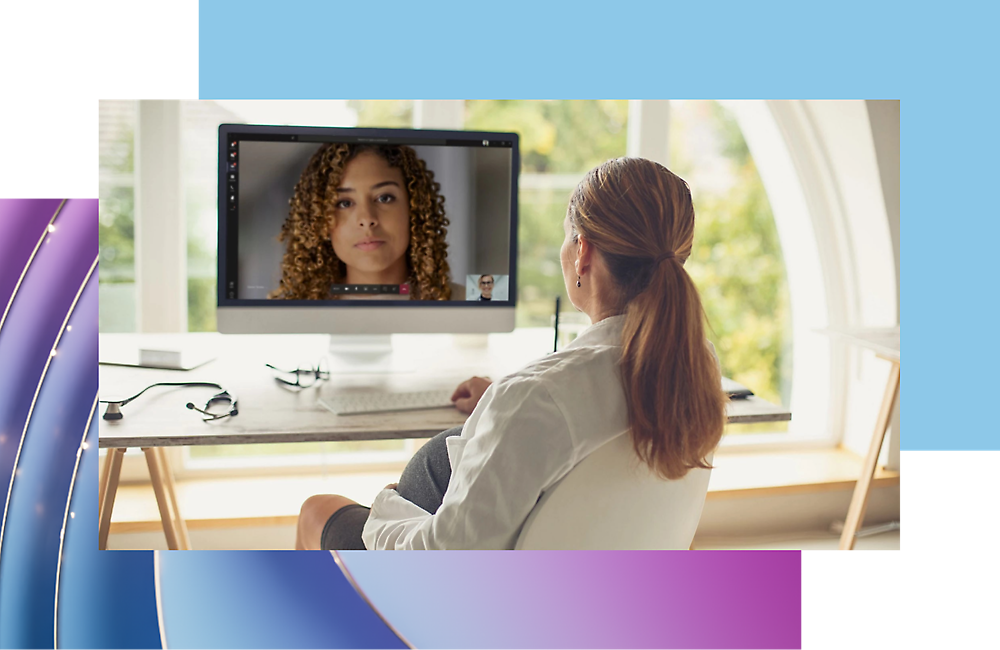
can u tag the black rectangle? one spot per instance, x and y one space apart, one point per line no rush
320 138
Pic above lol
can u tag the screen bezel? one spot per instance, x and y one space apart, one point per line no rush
228 236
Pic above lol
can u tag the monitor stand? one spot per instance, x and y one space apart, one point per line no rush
363 354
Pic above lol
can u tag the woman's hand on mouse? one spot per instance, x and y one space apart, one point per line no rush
468 393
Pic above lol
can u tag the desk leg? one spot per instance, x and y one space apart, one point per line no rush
156 477
856 512
179 523
109 487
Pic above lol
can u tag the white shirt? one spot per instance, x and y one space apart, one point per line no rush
527 432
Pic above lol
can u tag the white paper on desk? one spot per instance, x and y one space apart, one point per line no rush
169 351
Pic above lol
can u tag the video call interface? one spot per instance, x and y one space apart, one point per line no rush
353 218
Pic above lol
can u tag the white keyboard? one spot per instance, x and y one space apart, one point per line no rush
358 403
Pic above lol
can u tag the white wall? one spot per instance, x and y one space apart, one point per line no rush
884 116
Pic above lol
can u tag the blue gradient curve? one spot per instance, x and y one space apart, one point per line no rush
41 485
247 599
34 321
105 599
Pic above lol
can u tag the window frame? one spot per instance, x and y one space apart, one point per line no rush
817 376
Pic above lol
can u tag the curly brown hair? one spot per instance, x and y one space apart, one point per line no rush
310 265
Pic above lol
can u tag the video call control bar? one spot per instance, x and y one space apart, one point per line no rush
370 289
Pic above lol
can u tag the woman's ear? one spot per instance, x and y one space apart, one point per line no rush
584 253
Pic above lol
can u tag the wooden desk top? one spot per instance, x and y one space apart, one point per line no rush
270 413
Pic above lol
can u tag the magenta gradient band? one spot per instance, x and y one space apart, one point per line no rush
586 599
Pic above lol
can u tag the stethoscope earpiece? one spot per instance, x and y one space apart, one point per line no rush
224 396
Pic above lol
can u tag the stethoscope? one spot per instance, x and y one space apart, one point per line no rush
114 407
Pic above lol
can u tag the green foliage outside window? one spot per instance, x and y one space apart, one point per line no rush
557 137
736 262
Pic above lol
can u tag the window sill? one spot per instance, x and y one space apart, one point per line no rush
275 500
752 474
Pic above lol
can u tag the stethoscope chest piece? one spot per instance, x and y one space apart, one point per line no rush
114 412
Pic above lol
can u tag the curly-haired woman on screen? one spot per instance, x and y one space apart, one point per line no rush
365 214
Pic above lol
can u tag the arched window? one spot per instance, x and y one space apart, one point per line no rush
827 188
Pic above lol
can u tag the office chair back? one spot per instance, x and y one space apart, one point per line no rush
611 500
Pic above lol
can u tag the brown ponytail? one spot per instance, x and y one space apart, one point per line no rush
639 216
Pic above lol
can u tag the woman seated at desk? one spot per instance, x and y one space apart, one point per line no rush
643 367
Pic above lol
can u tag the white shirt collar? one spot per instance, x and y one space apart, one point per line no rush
604 332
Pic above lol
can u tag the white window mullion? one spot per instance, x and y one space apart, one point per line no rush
439 114
649 130
160 233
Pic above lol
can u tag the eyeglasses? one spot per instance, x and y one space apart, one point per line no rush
304 377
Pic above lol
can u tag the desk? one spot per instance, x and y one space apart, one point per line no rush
885 343
269 413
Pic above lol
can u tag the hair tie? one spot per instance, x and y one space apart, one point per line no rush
664 256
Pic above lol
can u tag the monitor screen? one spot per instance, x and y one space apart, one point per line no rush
333 220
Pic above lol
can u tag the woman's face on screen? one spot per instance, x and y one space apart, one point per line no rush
370 228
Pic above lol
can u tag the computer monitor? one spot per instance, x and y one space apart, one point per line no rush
366 231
